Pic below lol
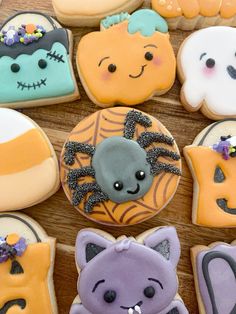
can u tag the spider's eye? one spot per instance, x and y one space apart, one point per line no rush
140 175
148 56
149 292
118 185
42 64
112 68
15 67
109 296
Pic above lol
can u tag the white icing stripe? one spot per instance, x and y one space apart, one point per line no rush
13 124
208 62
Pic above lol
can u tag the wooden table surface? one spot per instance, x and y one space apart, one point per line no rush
62 221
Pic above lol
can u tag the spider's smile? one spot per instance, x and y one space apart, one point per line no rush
140 74
135 191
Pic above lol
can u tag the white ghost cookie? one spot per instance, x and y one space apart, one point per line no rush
207 69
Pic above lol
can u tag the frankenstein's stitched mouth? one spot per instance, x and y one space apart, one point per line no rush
131 307
140 74
23 86
232 72
135 191
223 204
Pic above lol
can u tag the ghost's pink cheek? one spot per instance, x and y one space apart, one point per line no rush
157 61
208 72
106 76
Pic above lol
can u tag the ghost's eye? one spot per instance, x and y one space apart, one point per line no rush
109 296
210 63
149 292
148 56
111 68
15 67
118 185
140 175
42 64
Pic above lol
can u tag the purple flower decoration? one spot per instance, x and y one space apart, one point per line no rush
223 147
8 251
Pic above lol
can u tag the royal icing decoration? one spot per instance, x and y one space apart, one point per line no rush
28 165
34 61
130 59
213 167
120 166
206 59
26 267
215 273
146 267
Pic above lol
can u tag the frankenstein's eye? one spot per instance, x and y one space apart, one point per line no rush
42 64
112 68
148 56
15 67
109 296
118 185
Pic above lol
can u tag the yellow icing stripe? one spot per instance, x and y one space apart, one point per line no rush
24 152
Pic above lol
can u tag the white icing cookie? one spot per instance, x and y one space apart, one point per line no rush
207 69
29 170
90 12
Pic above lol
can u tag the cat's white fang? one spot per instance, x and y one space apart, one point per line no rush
130 311
137 309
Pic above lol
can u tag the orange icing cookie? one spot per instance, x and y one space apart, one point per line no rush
128 61
120 167
212 161
28 164
26 267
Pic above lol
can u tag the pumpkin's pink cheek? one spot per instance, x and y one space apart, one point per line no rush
157 61
208 72
105 76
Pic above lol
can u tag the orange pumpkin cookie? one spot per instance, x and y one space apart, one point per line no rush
194 14
29 171
26 267
90 12
212 161
120 167
128 61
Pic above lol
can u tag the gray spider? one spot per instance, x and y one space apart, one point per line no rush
123 170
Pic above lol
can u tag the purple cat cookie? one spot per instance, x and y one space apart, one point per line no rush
215 278
127 275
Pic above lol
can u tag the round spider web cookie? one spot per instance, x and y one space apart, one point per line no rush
120 167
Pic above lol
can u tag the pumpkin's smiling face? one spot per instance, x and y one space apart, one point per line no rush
117 66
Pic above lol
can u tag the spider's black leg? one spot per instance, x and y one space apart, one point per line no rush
134 117
75 174
95 199
147 138
156 166
72 148
82 190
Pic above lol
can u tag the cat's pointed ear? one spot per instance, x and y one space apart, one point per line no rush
88 245
165 241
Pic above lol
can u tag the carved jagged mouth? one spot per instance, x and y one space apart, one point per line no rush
140 74
19 302
135 191
232 72
223 204
133 309
36 85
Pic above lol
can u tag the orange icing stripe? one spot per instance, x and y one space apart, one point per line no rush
228 8
23 152
210 7
32 285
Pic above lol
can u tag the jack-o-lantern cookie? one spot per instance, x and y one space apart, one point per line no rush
146 266
212 161
120 166
128 61
207 69
35 62
26 267
90 12
214 268
29 170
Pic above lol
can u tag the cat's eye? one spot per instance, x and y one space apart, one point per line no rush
149 292
109 296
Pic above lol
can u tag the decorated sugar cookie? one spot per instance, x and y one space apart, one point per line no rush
192 14
120 166
207 69
128 61
90 12
35 62
26 267
127 275
212 161
214 273
28 164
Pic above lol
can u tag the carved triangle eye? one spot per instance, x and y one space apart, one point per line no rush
16 268
219 176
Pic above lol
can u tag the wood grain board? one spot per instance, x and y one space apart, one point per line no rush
59 218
